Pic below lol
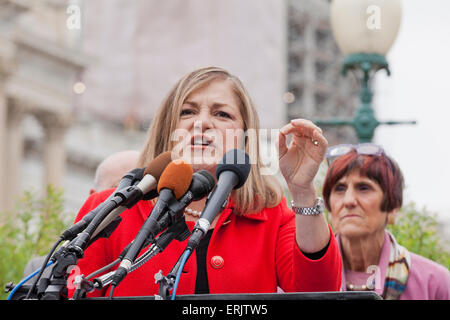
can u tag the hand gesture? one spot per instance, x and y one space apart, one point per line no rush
300 161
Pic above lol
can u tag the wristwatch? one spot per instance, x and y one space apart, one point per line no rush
309 211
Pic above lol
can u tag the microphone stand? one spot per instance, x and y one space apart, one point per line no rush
166 283
177 230
55 287
128 193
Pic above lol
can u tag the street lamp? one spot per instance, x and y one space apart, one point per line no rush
364 31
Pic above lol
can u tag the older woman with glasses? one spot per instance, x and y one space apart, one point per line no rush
363 190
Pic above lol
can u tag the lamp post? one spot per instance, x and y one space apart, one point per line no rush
364 31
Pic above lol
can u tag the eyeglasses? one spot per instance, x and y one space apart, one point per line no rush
368 149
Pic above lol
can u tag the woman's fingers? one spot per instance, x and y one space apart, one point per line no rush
300 128
282 148
304 129
319 139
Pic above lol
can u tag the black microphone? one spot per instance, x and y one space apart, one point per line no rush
232 172
139 183
173 184
201 185
127 180
144 189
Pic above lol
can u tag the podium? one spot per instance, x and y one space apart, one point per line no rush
287 296
344 295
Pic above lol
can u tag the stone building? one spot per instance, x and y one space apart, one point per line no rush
317 90
39 62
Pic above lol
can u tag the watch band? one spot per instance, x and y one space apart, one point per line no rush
309 211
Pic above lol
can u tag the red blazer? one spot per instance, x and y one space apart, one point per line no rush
247 254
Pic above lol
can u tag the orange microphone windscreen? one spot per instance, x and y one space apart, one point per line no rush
177 177
157 165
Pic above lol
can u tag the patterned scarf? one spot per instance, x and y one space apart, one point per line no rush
397 272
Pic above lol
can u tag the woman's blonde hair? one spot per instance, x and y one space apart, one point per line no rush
259 191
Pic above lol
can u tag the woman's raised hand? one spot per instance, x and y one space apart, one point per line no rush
300 161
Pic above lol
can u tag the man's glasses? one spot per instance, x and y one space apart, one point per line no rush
368 149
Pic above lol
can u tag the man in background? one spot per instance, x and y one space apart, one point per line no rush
111 170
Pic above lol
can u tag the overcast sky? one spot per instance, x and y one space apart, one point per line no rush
419 89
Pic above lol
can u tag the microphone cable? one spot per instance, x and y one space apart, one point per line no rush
26 279
109 266
44 265
111 292
77 294
185 257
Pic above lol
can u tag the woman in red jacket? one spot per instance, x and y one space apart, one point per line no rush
257 243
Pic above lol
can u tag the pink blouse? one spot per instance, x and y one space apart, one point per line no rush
427 279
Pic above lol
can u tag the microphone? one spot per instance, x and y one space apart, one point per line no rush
82 239
201 185
145 189
173 184
232 172
126 181
147 178
177 231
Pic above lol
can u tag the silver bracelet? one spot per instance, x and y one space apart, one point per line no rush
309 211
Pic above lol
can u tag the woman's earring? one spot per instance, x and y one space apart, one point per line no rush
391 219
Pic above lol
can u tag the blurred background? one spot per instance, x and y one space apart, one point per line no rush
80 80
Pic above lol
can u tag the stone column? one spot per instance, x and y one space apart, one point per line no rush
14 153
55 127
7 66
3 142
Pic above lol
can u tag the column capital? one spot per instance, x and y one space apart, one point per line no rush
8 51
55 126
17 109
53 121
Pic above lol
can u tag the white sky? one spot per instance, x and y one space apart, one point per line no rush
419 89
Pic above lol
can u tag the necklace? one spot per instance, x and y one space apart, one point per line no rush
352 287
192 212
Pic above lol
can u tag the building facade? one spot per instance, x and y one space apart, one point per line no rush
316 88
89 75
38 66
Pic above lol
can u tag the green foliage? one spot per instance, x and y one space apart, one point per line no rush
29 232
419 231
